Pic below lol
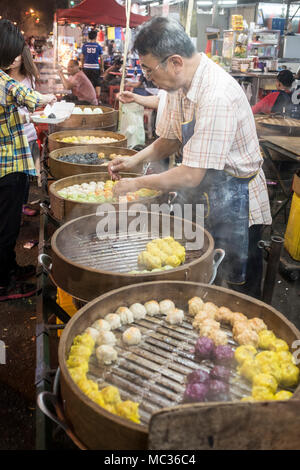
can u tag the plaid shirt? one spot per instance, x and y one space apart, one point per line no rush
225 135
15 153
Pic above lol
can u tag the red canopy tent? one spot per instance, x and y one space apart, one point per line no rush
106 12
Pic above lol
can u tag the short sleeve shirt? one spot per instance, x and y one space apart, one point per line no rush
82 88
225 135
91 52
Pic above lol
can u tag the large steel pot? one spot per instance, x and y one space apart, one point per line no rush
86 266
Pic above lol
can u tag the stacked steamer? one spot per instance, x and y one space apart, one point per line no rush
90 117
164 346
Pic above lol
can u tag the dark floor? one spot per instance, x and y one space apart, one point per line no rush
18 330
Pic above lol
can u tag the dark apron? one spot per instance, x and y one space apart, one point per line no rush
226 201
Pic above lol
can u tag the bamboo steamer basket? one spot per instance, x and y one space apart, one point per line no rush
64 210
85 266
54 144
60 169
108 120
208 425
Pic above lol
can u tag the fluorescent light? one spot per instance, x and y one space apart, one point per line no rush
204 3
154 4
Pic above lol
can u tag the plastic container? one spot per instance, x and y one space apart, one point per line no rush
292 234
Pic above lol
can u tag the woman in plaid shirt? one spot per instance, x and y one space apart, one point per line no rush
15 163
208 115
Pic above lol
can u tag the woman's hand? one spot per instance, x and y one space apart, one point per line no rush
48 99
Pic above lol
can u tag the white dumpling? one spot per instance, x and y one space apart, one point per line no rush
106 337
87 111
97 111
93 332
152 308
114 320
126 315
165 306
138 311
101 325
175 316
106 354
77 110
132 336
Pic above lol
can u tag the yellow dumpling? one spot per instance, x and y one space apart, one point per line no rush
80 350
289 375
128 409
285 356
249 369
266 339
272 369
244 352
267 357
249 398
265 380
111 395
77 373
86 340
148 261
283 395
262 393
279 345
87 386
173 260
77 361
164 246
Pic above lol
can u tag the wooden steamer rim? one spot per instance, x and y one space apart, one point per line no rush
54 144
138 434
60 169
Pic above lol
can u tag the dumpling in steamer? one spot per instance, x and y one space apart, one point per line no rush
195 305
106 354
211 308
114 320
126 315
132 336
257 324
175 316
152 308
224 315
106 337
138 310
101 325
165 306
93 332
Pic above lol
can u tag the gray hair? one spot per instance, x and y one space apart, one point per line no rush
163 37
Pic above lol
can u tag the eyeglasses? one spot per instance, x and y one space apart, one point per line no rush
148 73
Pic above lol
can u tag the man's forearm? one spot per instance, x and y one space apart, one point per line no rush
175 178
158 150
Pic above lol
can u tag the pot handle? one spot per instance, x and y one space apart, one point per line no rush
47 402
47 211
216 263
46 262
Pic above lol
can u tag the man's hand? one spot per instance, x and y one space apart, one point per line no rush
120 164
126 185
126 97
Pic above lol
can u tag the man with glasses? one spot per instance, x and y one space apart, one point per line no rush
208 115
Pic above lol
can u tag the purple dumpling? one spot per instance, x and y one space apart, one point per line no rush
197 376
195 392
204 348
218 390
220 373
223 354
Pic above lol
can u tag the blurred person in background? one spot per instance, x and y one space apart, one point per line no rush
16 163
24 70
277 101
82 88
90 60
